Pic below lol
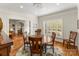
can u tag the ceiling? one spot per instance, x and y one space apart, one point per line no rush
29 8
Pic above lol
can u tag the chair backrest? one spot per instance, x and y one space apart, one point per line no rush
12 34
25 38
35 43
72 36
53 36
20 32
38 32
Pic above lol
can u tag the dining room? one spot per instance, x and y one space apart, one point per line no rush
39 29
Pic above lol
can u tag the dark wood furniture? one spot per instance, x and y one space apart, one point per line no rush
35 45
51 43
20 32
11 34
71 41
5 49
5 45
26 41
38 32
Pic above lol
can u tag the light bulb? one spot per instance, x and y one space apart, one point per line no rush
57 4
21 6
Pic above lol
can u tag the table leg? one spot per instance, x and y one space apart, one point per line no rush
45 48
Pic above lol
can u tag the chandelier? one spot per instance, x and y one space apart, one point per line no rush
37 5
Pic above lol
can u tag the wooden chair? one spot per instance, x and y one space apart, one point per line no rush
52 42
38 32
35 45
11 34
71 40
26 40
20 32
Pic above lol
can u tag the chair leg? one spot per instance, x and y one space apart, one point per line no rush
53 49
27 45
40 54
63 42
24 47
68 45
31 54
45 48
77 51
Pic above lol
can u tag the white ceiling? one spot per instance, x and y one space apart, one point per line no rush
28 8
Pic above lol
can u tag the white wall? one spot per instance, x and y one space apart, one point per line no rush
33 20
78 29
69 18
6 15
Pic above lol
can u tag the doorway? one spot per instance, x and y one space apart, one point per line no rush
16 25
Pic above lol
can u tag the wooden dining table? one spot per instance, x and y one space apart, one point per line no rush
5 45
45 40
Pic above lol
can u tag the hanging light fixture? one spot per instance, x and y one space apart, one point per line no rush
37 5
21 6
57 4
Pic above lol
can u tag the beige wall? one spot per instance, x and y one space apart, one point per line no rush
69 18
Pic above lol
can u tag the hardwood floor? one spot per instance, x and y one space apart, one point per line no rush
18 42
66 52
